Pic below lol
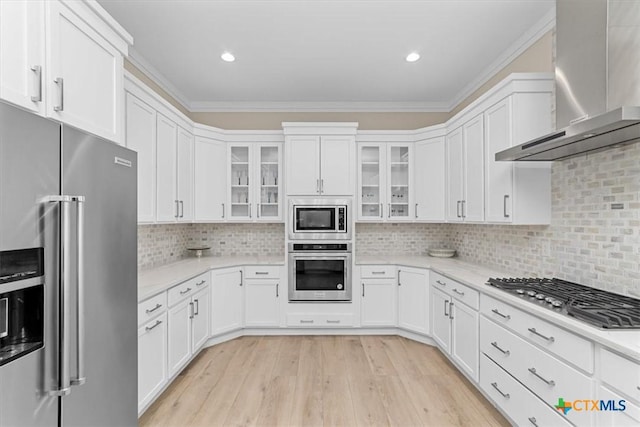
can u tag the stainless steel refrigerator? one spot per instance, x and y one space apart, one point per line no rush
68 276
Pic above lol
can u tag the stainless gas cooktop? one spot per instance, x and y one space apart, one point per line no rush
596 307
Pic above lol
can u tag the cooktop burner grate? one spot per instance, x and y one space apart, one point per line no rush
593 306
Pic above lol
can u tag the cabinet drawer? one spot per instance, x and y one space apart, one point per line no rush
620 373
332 320
262 272
524 408
544 375
463 293
377 272
571 347
440 282
188 288
152 307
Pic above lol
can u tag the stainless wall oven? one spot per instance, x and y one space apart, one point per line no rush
319 271
312 219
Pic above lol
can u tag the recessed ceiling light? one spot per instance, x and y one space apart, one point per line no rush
227 57
413 57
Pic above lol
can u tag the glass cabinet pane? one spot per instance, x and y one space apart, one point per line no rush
240 181
399 181
370 182
269 182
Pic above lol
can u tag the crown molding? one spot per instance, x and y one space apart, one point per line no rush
528 39
318 107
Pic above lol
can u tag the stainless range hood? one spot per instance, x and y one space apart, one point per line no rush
597 81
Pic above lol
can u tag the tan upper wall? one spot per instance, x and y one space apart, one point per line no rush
537 58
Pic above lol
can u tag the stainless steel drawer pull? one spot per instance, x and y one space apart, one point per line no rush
533 421
261 273
201 283
333 321
505 352
377 272
186 291
151 310
306 321
441 283
505 395
504 316
458 292
155 325
552 383
533 331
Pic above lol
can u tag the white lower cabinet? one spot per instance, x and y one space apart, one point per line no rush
152 359
623 413
227 300
263 293
378 295
200 321
454 318
413 300
179 336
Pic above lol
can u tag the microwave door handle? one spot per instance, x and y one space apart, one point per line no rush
80 378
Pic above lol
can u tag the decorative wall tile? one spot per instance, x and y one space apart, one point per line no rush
400 238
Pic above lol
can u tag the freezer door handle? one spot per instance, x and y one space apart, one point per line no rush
80 378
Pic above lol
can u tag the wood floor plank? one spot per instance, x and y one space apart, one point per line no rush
307 404
401 359
396 401
333 356
243 356
429 360
288 360
379 361
278 402
337 405
367 403
356 359
310 363
432 407
216 407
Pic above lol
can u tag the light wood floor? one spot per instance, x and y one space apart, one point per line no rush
321 380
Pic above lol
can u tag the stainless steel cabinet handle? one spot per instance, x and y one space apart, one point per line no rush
201 283
504 316
441 283
389 211
446 304
321 186
37 69
552 383
155 325
153 309
458 292
191 310
377 272
249 210
222 210
363 289
505 395
306 321
258 210
505 352
533 421
197 303
80 377
318 186
381 213
261 273
186 291
277 290
60 82
535 332
506 196
451 310
416 210
333 321
181 208
464 209
241 280
458 208
177 202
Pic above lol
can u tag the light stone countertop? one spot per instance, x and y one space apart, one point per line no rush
626 342
152 281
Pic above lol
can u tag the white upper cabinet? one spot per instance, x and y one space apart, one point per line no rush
141 136
455 171
518 192
320 158
254 181
429 179
385 176
210 179
168 206
64 60
184 175
22 59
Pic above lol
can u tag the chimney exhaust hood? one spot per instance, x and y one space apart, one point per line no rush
597 81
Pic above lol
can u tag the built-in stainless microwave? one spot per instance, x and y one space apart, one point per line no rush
313 219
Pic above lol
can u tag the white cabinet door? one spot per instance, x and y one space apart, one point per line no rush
413 300
303 165
455 171
337 162
378 302
464 338
399 182
179 336
268 194
200 321
22 53
473 135
440 321
371 181
262 303
85 73
241 180
210 176
226 301
166 137
499 175
185 175
152 359
630 417
141 137
430 179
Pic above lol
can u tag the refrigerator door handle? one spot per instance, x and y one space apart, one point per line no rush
64 382
80 378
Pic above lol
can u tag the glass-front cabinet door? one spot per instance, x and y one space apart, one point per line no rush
398 167
239 182
371 182
269 202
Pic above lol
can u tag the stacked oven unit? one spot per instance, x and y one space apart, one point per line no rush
320 250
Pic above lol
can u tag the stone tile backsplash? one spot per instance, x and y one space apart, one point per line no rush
162 243
400 239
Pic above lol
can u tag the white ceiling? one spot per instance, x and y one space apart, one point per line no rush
327 54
